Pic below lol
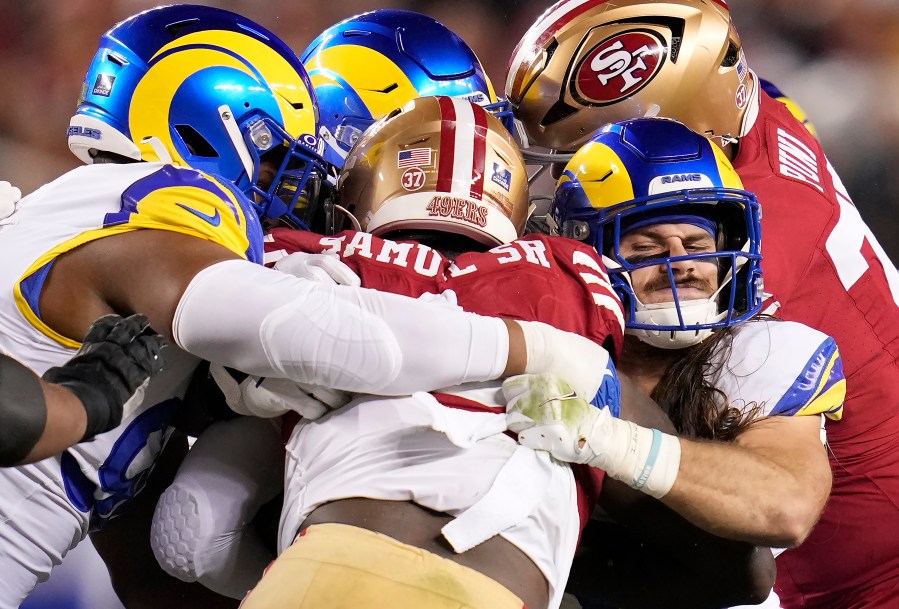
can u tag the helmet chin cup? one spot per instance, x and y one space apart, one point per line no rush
692 313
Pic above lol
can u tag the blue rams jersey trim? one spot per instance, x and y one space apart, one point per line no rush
152 202
820 388
32 285
169 180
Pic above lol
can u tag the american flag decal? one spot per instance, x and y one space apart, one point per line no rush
742 68
414 157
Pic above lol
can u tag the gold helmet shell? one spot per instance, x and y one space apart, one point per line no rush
439 163
585 63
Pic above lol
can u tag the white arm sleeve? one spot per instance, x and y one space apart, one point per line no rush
268 323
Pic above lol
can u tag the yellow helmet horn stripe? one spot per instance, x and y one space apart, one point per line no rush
368 73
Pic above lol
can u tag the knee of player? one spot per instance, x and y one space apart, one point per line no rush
177 535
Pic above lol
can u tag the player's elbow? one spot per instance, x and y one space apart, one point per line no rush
796 518
795 532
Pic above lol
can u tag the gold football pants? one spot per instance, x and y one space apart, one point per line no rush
337 566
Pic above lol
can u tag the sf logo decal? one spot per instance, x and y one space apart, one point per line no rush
617 68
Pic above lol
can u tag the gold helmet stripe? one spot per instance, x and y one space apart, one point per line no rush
292 94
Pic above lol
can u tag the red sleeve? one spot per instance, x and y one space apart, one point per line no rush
406 268
554 280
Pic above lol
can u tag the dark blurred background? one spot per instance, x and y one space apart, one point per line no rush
837 59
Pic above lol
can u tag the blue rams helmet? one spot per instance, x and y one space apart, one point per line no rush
649 171
366 66
209 89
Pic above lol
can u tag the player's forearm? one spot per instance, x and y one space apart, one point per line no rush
23 411
766 488
39 419
746 494
65 426
268 323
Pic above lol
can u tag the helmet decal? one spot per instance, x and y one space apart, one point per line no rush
413 179
618 67
587 63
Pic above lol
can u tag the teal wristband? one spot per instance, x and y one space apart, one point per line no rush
650 459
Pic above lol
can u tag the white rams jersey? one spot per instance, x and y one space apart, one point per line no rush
47 507
786 368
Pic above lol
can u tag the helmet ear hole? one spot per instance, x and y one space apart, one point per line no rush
196 143
731 57
558 111
175 29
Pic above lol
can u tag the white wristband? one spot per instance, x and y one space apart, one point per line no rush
645 459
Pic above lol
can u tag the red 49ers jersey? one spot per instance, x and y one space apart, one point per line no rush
823 267
553 280
821 264
557 281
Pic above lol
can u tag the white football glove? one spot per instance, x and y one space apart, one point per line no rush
446 298
9 196
273 397
326 267
547 414
577 359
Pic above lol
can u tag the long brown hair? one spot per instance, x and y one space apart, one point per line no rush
697 408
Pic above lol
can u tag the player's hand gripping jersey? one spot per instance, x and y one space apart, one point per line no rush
352 453
832 275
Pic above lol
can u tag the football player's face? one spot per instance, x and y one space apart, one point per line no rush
694 279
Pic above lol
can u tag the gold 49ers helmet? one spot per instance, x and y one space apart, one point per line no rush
439 163
585 63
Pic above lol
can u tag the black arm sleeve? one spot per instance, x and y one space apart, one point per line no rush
23 411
